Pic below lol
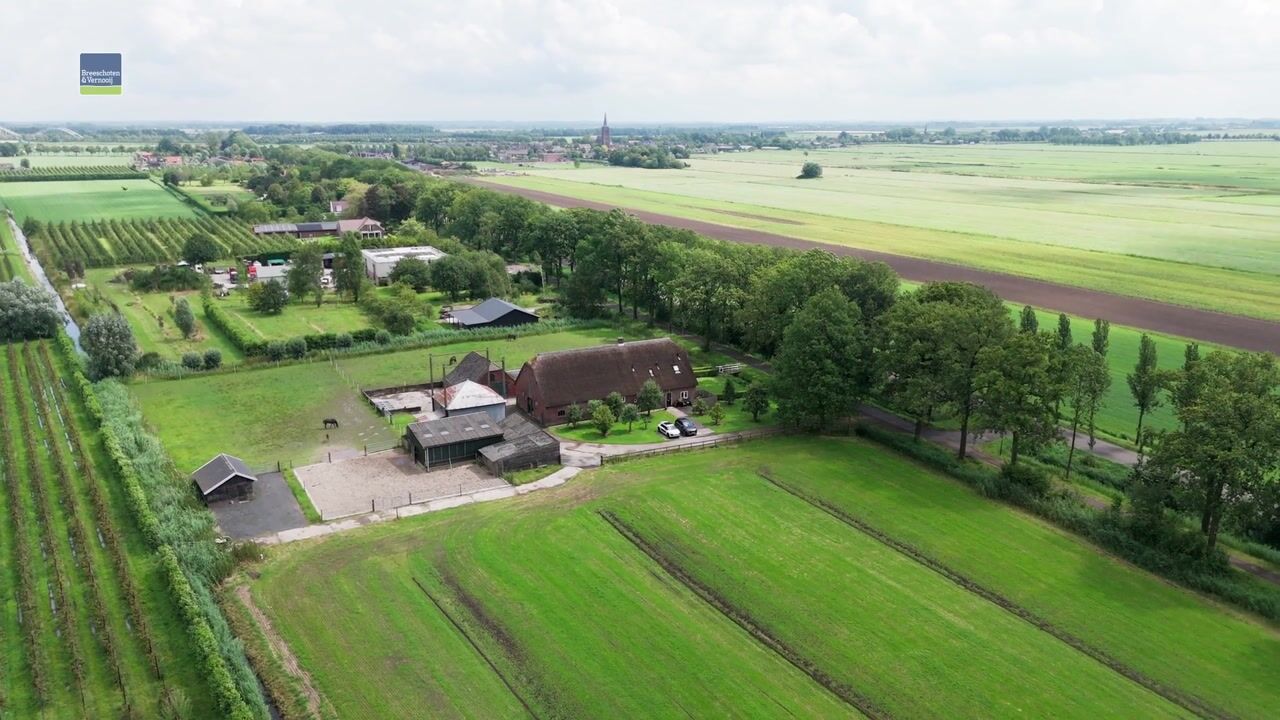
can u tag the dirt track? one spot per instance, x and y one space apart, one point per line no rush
1205 325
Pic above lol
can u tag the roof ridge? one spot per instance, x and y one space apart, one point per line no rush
597 348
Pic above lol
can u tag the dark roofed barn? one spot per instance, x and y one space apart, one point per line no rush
524 445
224 478
451 439
494 312
549 383
478 369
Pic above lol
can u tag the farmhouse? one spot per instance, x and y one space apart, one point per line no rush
467 397
378 264
224 478
549 383
479 369
494 312
365 227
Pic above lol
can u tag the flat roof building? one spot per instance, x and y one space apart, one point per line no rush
378 264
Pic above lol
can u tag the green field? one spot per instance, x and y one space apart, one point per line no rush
11 263
91 200
298 318
689 586
69 160
86 616
1161 222
639 433
271 414
151 317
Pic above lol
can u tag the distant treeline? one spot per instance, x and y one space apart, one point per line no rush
1054 135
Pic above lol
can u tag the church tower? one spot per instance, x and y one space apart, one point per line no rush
603 138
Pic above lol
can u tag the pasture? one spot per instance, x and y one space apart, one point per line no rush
1169 228
92 200
67 160
87 618
736 597
298 318
269 414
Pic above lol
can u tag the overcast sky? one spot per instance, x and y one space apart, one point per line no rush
658 60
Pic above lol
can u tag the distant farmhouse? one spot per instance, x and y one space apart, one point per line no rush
494 312
378 264
367 228
549 383
224 478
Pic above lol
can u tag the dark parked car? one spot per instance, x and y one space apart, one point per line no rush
686 426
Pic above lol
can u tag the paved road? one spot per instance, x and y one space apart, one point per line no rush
1205 325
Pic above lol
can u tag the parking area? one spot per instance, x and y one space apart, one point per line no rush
272 509
386 480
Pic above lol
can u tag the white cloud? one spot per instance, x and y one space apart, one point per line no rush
707 60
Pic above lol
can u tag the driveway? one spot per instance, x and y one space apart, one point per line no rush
272 509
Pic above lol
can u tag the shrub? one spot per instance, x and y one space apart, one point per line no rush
149 360
183 317
275 351
192 361
343 340
26 312
382 337
296 348
1026 476
212 359
108 340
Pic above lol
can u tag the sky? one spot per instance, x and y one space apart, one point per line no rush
643 62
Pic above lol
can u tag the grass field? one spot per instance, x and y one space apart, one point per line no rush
688 585
84 599
145 313
78 160
298 318
11 263
91 200
1115 219
640 433
272 414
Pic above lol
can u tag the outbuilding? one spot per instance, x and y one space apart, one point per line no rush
225 477
451 439
469 397
494 312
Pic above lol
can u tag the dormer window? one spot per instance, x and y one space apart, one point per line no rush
676 368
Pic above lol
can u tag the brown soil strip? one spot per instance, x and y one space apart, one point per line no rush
743 619
1206 325
766 218
476 646
281 648
1187 701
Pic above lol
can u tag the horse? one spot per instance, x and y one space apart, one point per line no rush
330 423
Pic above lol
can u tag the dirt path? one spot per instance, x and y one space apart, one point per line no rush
281 649
1205 325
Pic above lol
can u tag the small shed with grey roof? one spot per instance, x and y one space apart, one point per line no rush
524 445
494 312
225 477
451 439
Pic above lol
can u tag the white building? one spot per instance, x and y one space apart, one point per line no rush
378 264
470 397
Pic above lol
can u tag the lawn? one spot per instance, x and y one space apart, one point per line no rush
298 318
151 317
639 434
657 609
12 264
1145 232
270 414
92 200
524 477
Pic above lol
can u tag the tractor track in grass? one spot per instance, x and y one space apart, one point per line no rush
1187 701
1206 325
743 619
476 646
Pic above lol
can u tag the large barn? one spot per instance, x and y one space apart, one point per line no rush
451 439
494 312
549 383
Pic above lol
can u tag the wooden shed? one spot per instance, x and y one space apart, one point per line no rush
225 477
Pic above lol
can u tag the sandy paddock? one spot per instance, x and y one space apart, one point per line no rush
385 480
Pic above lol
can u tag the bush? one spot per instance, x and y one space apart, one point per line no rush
108 340
26 312
149 360
164 278
275 351
296 348
192 361
212 359
1027 477
343 340
382 337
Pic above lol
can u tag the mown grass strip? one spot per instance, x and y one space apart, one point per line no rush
1185 700
851 696
476 646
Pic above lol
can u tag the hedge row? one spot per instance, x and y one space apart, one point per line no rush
106 243
1176 556
58 173
225 693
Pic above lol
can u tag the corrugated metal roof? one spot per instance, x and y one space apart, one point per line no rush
221 468
468 394
486 312
456 429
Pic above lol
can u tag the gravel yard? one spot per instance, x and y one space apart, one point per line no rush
386 480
